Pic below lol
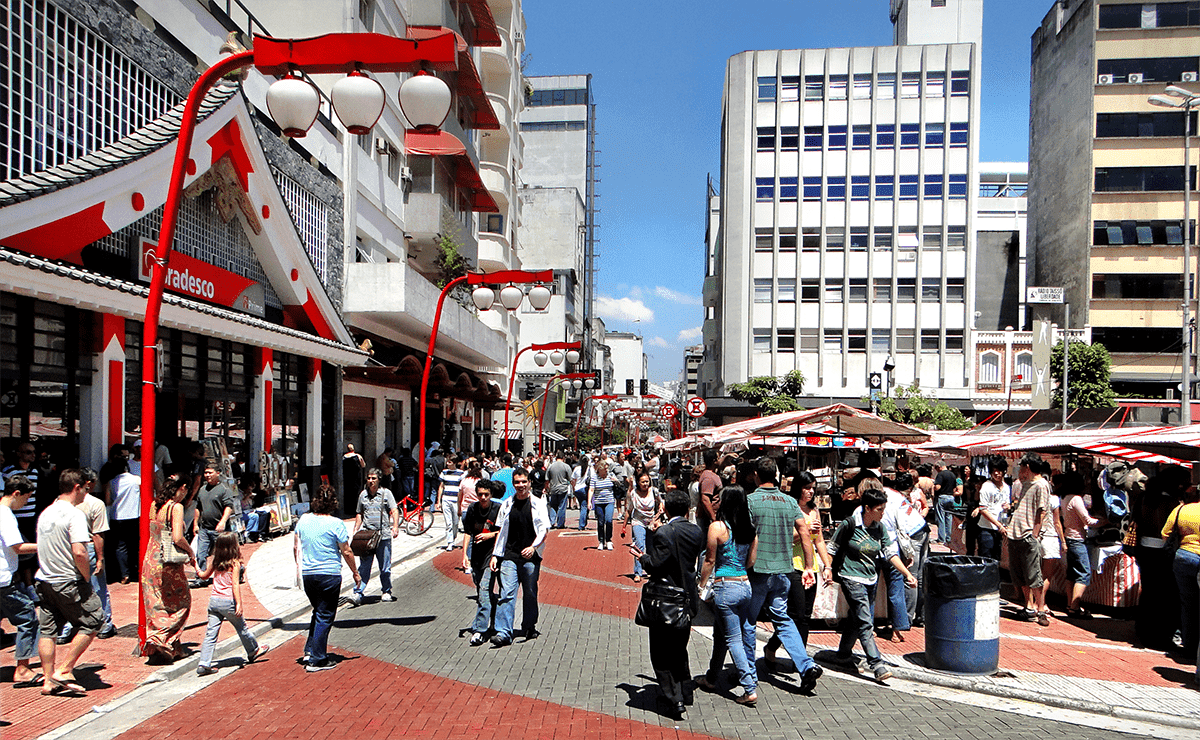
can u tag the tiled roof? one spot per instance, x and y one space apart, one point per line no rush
146 140
92 278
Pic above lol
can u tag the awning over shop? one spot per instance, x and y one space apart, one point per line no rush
462 169
554 436
486 33
511 434
468 84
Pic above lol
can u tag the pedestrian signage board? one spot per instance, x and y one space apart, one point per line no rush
876 381
1042 342
669 411
1041 294
696 407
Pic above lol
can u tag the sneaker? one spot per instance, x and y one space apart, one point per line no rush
808 681
304 659
387 597
846 660
477 639
323 665
355 600
498 641
107 632
205 670
1029 615
882 673
1043 619
608 545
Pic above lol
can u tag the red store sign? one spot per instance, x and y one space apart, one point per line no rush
196 279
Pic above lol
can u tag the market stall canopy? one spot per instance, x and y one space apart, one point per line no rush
844 420
1178 442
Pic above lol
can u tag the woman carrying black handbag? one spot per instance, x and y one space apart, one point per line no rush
667 597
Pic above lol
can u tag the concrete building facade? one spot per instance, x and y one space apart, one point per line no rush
1107 179
847 198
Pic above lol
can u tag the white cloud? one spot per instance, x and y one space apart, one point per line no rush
690 335
659 342
676 297
624 309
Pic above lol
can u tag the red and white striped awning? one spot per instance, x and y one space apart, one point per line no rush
511 434
1125 453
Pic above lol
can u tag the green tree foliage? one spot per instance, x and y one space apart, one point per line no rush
1088 384
771 395
909 405
589 437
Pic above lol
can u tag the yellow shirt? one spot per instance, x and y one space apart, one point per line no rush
798 548
1187 518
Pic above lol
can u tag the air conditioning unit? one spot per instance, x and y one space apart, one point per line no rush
518 37
1104 80
1188 77
406 175
1135 78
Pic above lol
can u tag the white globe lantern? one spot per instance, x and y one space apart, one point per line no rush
539 297
483 297
577 384
573 356
358 101
425 100
293 104
556 356
511 296
589 383
540 358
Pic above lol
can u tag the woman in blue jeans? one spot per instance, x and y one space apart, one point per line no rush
322 543
732 547
601 501
855 546
643 507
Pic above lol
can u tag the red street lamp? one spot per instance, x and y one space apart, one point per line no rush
571 348
294 104
483 297
572 379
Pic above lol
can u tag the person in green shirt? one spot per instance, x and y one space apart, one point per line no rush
855 546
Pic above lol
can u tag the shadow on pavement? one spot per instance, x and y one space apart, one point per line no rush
644 697
1187 679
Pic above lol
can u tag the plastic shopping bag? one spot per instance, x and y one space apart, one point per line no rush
829 603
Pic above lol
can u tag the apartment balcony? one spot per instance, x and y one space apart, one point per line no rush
495 252
496 61
711 292
498 181
425 218
392 299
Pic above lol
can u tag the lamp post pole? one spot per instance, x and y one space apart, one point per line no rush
1179 98
512 376
332 53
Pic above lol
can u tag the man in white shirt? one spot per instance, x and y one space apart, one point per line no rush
995 496
16 596
63 584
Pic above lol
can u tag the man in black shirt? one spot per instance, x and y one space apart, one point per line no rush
517 557
213 512
479 535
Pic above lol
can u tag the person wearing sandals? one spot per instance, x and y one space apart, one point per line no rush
856 545
732 549
645 504
164 583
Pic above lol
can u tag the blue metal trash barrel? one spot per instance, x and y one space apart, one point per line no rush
962 614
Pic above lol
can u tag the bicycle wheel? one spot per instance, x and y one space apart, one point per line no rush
419 523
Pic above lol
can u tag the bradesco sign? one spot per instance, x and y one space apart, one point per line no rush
196 279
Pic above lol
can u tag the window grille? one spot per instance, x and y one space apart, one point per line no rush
64 91
311 217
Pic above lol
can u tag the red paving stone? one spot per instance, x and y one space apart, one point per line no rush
276 700
108 669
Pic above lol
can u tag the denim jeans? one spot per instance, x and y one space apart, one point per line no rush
737 627
915 597
558 509
450 516
1187 569
17 606
431 489
514 572
772 590
989 543
859 624
206 540
486 594
944 520
639 541
222 609
322 592
100 586
581 497
382 555
604 515
897 603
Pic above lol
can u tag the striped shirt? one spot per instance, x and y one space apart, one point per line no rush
602 490
451 480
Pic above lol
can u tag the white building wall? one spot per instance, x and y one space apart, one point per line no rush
628 360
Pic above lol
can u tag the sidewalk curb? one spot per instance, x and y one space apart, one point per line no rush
231 644
964 683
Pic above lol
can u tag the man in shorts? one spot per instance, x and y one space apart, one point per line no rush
64 585
1031 502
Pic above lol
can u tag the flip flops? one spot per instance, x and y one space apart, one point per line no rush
34 682
63 688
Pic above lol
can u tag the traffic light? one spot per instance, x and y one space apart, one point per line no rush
530 392
645 387
629 386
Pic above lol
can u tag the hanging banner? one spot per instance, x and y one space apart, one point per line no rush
1043 341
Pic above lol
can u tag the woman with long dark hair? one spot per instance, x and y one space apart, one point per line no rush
164 584
732 548
322 544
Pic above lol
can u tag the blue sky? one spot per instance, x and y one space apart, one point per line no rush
657 70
